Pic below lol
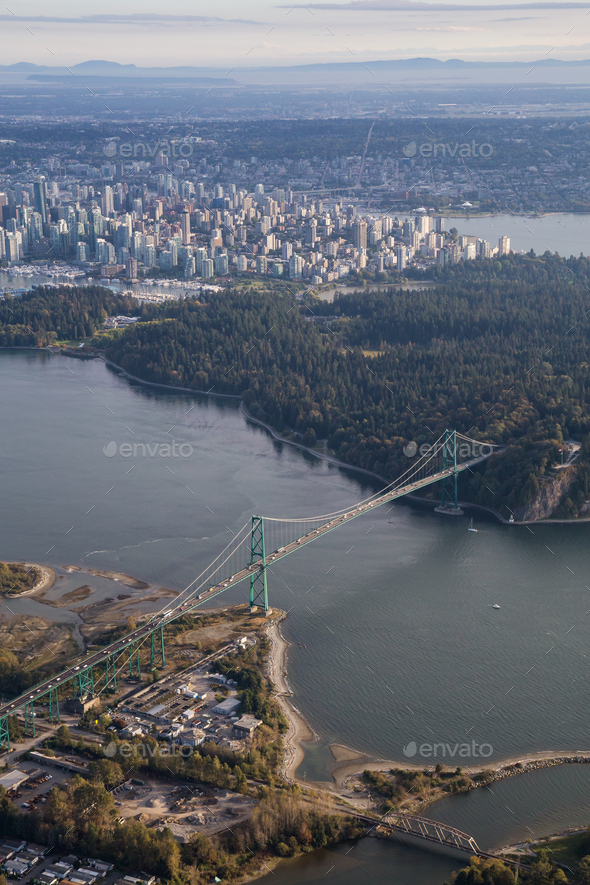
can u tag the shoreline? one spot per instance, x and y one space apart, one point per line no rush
322 457
503 768
299 729
350 763
330 458
46 581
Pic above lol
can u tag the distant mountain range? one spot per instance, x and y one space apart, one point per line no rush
320 74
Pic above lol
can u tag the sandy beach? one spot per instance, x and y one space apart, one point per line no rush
299 729
348 762
45 582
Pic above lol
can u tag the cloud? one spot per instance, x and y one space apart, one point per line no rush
410 6
444 28
140 18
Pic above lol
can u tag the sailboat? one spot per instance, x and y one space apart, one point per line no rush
471 529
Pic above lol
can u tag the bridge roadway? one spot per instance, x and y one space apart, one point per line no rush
440 835
160 620
430 834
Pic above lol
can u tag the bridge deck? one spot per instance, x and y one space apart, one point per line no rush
158 621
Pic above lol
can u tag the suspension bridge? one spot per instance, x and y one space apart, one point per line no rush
445 459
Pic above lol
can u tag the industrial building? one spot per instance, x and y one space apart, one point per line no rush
13 779
245 726
227 707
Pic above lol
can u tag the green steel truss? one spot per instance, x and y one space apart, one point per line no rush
4 734
30 719
449 483
111 673
54 704
153 653
258 588
134 665
83 683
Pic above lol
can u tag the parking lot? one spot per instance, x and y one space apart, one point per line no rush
34 794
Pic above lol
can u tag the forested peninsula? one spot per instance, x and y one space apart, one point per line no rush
496 350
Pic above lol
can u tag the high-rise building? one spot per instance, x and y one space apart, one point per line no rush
311 233
242 263
401 257
40 198
200 256
165 260
185 225
359 234
207 268
503 245
295 267
107 204
261 264
81 252
286 251
131 269
221 263
105 252
11 246
483 249
424 223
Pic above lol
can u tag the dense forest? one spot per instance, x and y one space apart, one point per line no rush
496 349
545 870
81 816
16 577
48 314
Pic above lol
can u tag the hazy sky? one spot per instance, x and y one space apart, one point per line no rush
240 33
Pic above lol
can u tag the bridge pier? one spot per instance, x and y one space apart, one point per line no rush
4 733
152 654
134 659
54 704
448 510
111 674
449 503
83 683
258 587
30 718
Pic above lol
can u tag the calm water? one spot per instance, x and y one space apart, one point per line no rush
399 642
23 281
567 233
513 810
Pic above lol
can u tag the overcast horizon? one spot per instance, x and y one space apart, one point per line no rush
262 33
